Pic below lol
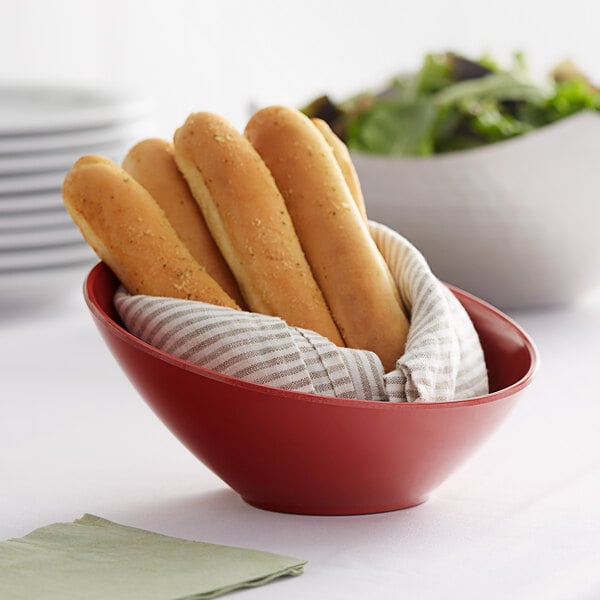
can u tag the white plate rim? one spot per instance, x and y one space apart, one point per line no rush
29 239
78 107
42 162
44 257
30 203
32 182
35 220
74 140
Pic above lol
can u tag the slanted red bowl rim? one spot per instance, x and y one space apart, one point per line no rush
118 330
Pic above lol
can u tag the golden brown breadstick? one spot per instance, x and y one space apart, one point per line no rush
151 163
250 223
130 233
342 155
348 266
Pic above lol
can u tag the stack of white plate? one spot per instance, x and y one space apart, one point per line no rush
43 130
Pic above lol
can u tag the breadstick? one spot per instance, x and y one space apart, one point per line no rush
342 155
348 266
250 223
130 233
151 163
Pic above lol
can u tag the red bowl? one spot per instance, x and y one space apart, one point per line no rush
302 453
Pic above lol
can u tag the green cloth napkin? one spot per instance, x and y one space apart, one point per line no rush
93 558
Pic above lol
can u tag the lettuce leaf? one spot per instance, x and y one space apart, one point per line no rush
452 103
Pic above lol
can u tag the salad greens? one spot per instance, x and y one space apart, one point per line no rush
453 103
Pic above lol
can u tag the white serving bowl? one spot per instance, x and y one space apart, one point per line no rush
515 223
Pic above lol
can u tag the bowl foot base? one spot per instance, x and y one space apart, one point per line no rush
316 510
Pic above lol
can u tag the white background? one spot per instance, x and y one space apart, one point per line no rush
221 56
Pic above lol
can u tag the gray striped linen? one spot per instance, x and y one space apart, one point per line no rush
443 359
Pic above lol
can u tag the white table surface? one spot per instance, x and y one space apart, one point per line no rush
520 520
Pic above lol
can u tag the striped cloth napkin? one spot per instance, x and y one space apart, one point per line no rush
443 359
